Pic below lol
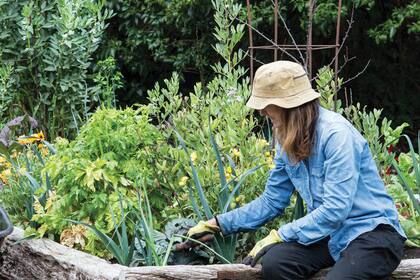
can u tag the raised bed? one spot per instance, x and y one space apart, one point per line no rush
45 259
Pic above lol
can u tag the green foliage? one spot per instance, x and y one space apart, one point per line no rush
408 170
378 133
108 80
221 100
123 251
46 50
106 159
22 181
149 241
153 38
408 15
224 246
325 84
405 189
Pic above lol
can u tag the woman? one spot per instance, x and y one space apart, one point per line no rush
351 222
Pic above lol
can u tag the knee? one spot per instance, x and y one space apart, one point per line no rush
274 264
269 265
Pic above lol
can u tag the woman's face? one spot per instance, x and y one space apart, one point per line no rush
274 113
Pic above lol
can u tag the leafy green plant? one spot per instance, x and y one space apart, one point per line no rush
108 80
21 162
46 51
379 133
104 160
325 84
151 246
224 246
123 251
408 16
408 172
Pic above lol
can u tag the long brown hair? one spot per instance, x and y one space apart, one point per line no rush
297 132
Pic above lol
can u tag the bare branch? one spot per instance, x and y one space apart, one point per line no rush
253 58
350 24
268 39
290 34
357 75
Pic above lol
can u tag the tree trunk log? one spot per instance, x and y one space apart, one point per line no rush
45 259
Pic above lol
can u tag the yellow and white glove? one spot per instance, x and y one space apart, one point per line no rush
262 247
201 229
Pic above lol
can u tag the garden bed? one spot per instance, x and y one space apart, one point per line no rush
45 259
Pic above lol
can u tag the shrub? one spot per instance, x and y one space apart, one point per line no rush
46 50
112 153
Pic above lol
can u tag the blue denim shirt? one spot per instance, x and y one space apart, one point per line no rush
340 184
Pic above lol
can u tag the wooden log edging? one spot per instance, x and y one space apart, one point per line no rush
45 259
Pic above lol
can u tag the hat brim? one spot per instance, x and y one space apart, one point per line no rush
260 103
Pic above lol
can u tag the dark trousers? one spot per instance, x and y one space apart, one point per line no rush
372 255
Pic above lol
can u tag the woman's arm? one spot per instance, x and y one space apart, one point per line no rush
270 204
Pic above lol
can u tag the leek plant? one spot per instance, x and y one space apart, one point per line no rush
409 177
411 186
145 246
123 249
224 246
152 247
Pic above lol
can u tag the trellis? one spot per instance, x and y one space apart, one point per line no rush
309 47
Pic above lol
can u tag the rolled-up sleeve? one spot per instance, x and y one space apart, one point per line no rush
270 204
342 166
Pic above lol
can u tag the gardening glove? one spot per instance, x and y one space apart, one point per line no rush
262 247
201 229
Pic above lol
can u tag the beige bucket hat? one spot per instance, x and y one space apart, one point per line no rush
282 83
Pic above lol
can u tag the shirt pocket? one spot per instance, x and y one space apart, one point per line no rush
317 182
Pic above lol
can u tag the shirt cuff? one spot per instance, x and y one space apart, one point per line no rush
287 233
219 221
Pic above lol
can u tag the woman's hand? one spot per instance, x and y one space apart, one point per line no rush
203 228
262 247
203 232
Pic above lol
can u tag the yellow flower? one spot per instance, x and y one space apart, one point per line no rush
229 170
262 143
228 173
232 205
3 179
193 156
183 181
4 162
43 149
267 154
272 165
240 198
25 140
4 176
236 153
